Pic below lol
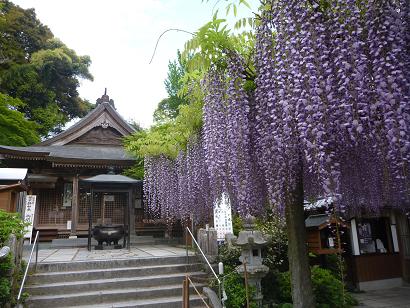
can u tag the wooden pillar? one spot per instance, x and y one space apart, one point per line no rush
185 293
74 206
90 217
132 211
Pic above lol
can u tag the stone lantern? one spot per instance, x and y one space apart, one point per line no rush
251 242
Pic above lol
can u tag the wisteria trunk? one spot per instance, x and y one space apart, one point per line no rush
302 291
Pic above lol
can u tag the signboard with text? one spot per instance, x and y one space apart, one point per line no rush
223 217
29 215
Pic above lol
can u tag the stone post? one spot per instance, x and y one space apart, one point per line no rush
208 241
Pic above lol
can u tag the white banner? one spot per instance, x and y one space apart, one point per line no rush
223 217
29 215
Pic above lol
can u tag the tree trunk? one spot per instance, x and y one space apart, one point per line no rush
302 291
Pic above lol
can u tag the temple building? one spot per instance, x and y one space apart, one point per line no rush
57 166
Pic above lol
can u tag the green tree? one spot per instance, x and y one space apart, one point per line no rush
40 70
21 34
14 128
168 108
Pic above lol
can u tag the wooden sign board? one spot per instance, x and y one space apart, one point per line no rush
30 208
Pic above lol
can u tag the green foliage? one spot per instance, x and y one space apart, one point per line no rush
329 291
14 128
5 290
233 282
235 290
40 70
229 256
22 34
158 140
137 170
273 226
335 264
212 44
168 108
167 138
10 223
179 117
237 224
6 265
6 287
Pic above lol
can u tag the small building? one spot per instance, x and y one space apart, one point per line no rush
380 246
13 187
57 166
376 249
325 233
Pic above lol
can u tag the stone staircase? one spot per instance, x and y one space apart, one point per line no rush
146 282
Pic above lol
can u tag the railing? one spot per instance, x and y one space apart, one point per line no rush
185 293
206 260
35 245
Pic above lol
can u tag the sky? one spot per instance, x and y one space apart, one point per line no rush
120 37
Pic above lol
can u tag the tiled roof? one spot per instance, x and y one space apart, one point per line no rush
316 220
69 152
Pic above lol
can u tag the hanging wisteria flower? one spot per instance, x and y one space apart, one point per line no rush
334 99
331 110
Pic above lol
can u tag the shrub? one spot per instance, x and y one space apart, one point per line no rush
229 255
329 291
235 290
276 253
237 224
6 266
5 290
10 223
233 282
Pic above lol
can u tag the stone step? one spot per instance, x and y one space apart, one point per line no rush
105 284
71 242
109 273
106 296
115 263
168 302
134 236
134 240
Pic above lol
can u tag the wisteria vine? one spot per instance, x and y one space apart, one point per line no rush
332 99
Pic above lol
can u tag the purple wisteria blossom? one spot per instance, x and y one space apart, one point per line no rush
334 98
332 102
178 189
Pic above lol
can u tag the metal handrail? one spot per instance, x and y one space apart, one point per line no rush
35 245
206 259
197 292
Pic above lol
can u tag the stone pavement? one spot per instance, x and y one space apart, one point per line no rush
388 298
48 255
